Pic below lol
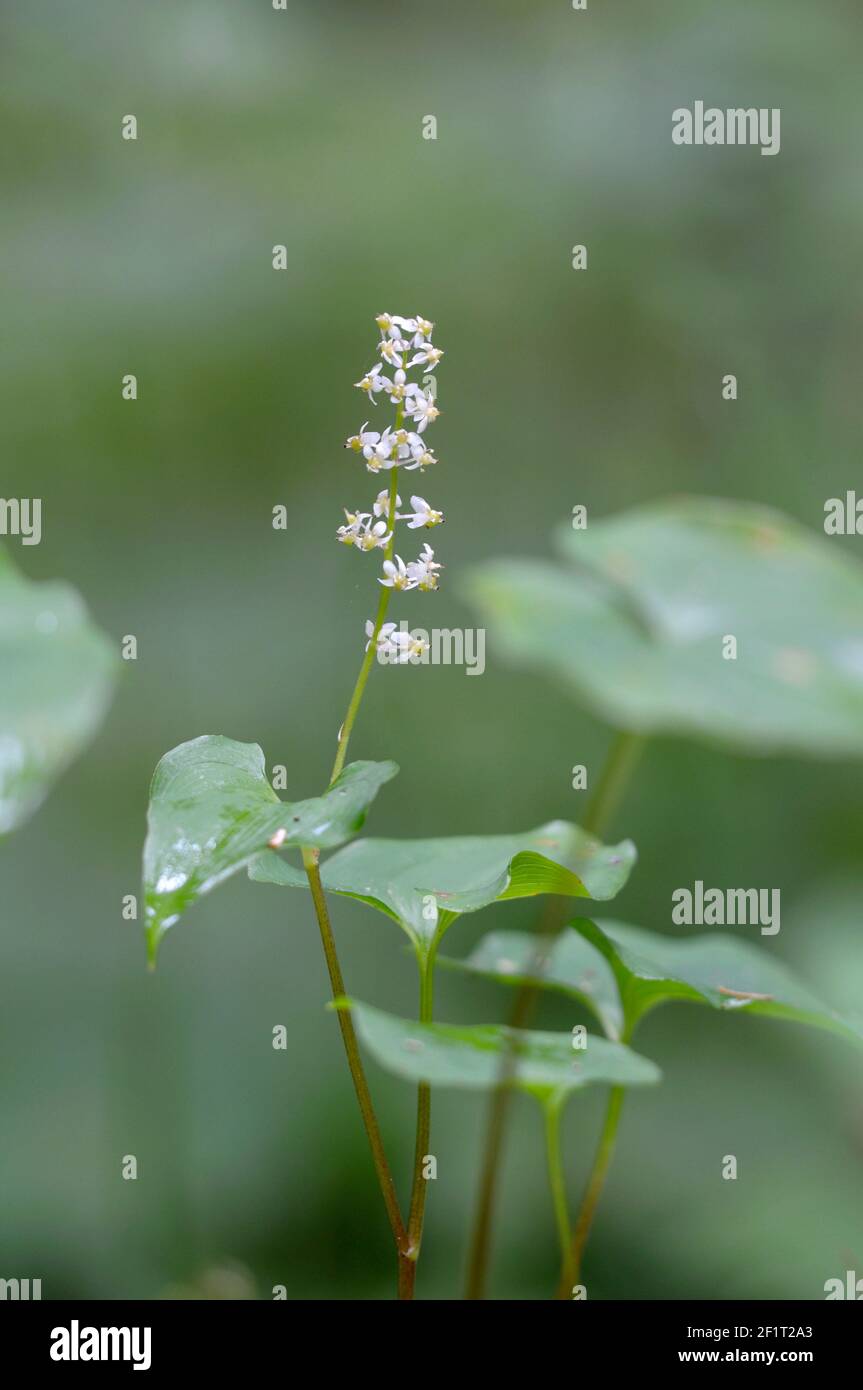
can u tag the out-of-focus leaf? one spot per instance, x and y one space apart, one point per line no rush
567 963
636 626
424 884
474 1057
622 972
714 969
56 675
212 810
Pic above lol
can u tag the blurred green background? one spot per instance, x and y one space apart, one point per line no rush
304 128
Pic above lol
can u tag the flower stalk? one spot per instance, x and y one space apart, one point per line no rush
617 770
572 1256
556 1181
352 1051
395 448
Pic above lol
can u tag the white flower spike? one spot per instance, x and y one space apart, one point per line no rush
405 343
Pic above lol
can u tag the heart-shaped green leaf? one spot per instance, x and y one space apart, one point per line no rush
622 972
57 674
567 963
425 884
715 969
212 810
477 1056
638 626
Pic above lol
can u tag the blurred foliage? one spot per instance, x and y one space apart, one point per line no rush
58 672
469 1056
716 620
257 127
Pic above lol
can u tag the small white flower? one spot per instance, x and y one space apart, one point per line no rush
372 536
398 648
427 356
399 389
411 446
397 576
419 327
407 646
381 453
384 642
358 442
354 522
371 382
382 503
422 515
389 324
422 409
423 571
391 350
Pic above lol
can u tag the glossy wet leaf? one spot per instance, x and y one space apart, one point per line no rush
720 970
472 1056
424 884
635 625
56 675
566 963
212 810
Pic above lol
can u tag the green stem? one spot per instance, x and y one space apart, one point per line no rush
406 1266
419 1185
553 1111
498 1114
617 770
571 1267
605 798
372 650
349 1038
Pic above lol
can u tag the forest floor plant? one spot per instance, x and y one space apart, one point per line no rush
622 758
405 344
659 590
213 812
